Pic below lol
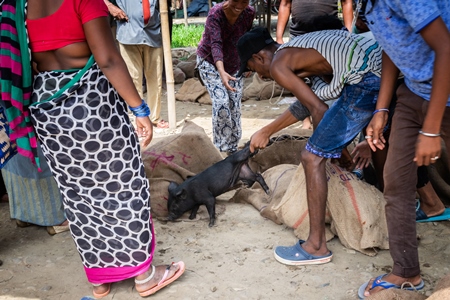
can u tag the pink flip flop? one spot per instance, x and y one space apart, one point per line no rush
164 280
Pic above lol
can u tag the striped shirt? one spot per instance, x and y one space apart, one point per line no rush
351 57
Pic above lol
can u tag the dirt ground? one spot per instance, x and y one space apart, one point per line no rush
233 260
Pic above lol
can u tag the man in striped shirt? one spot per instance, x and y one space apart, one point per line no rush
341 66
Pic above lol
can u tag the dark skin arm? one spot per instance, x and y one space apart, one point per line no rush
100 43
288 68
108 58
437 37
347 13
276 68
389 76
116 12
284 12
260 139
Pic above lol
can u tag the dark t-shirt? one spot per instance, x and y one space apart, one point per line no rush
303 12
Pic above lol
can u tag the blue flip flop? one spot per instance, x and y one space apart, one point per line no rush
297 256
421 217
387 285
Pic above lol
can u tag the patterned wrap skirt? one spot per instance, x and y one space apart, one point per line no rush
94 154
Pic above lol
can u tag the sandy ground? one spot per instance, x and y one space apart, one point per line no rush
233 260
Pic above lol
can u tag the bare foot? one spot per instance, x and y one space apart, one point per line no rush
155 278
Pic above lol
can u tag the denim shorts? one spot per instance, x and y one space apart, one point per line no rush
345 118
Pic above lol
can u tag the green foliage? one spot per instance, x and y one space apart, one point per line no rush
189 36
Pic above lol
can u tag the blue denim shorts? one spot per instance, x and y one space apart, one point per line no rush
345 118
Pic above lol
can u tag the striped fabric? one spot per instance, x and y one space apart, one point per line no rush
34 197
351 57
7 150
16 77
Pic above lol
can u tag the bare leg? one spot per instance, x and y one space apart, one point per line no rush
306 124
430 202
317 191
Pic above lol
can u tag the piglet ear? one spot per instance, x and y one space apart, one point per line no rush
182 194
172 186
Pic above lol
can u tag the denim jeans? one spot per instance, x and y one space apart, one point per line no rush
345 118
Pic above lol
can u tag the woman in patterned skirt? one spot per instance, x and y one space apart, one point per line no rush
218 63
77 105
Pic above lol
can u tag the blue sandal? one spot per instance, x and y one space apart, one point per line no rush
297 256
378 282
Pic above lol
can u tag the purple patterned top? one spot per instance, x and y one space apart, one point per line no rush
220 37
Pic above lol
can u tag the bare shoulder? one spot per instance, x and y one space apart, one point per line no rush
298 58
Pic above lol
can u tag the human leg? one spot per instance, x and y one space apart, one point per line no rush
133 57
158 277
235 112
339 126
429 204
106 188
153 64
316 193
222 122
400 179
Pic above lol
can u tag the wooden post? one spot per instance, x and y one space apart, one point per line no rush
269 14
186 24
170 82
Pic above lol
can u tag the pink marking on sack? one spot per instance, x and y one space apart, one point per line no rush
350 191
300 220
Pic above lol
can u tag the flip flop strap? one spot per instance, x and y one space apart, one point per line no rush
150 277
166 273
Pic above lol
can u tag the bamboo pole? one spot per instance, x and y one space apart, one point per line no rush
186 24
170 82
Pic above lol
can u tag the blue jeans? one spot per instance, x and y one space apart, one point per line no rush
345 118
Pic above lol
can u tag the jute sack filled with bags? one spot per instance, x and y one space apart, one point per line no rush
277 179
174 159
260 89
356 210
284 148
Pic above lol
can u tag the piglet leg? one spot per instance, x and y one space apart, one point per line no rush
194 212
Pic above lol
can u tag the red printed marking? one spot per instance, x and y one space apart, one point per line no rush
351 192
300 220
183 157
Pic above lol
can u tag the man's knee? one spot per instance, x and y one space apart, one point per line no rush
310 159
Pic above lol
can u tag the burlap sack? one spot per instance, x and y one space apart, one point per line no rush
277 179
442 289
396 294
355 207
174 159
191 91
283 148
261 89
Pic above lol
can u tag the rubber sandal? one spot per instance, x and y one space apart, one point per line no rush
297 256
378 282
52 230
22 224
164 280
101 295
421 217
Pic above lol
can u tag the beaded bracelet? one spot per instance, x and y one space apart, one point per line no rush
429 134
381 109
141 111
